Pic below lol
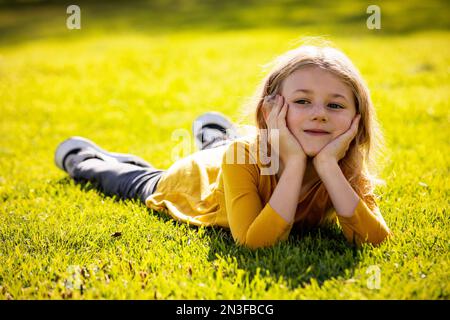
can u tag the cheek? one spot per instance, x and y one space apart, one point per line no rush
294 117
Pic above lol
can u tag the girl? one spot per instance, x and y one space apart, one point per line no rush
313 113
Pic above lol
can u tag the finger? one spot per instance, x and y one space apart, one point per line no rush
356 119
267 108
280 104
353 130
355 124
275 109
278 101
271 121
274 116
268 97
282 115
268 102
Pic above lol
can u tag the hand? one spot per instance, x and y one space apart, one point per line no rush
289 148
336 149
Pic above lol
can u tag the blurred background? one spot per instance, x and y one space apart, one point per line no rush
31 20
138 70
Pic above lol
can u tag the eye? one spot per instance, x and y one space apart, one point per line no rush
302 101
335 106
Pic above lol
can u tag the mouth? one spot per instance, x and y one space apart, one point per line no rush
316 132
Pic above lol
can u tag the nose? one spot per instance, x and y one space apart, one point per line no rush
318 113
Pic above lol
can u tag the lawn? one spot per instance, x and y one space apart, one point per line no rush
135 73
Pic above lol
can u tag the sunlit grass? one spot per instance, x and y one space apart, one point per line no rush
129 92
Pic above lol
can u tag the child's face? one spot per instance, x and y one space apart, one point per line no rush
318 101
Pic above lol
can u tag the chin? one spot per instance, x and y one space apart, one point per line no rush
312 146
312 151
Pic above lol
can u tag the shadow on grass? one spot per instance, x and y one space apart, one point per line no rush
30 20
319 254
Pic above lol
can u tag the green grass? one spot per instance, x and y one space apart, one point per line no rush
131 76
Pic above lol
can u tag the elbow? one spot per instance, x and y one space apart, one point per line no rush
378 240
244 242
385 236
261 235
373 239
247 245
252 245
252 242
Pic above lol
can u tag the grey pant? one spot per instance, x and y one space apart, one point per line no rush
127 181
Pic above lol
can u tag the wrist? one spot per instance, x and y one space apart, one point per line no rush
324 165
295 162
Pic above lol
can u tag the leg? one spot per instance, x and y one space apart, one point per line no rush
127 181
124 175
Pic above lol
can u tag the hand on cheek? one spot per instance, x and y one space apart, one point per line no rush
337 148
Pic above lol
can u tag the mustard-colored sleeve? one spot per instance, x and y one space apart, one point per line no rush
364 226
251 224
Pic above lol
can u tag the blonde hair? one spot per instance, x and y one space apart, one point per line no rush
358 165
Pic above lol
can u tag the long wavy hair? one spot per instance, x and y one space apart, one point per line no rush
358 165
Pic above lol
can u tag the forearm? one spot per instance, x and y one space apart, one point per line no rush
284 199
342 195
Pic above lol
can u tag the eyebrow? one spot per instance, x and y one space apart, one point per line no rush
334 95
